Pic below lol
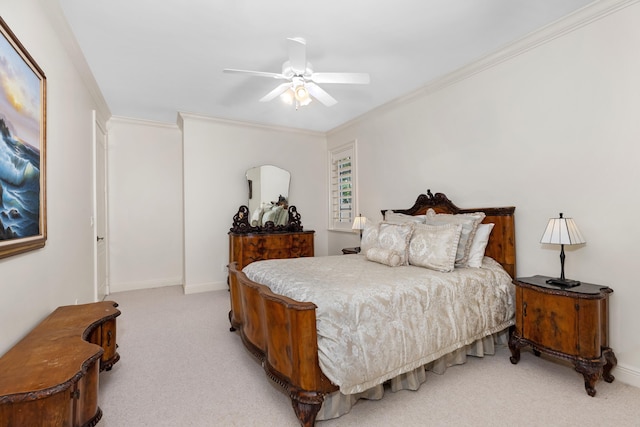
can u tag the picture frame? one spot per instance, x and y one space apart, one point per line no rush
23 213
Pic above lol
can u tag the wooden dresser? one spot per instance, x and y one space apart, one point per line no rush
568 323
50 377
244 248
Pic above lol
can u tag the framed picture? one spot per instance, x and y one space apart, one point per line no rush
23 217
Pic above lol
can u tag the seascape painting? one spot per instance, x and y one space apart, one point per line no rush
22 222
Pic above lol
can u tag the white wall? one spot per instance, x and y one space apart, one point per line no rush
496 137
216 156
552 129
145 204
35 283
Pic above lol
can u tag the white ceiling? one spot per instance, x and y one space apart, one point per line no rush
153 59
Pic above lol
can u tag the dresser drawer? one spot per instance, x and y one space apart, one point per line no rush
247 248
261 243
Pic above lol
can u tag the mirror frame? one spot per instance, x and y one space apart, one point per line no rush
241 223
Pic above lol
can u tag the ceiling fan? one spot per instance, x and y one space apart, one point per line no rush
301 81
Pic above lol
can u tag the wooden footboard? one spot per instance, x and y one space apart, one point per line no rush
281 333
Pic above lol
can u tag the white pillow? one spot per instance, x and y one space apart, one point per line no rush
479 244
435 246
400 218
256 217
469 222
270 214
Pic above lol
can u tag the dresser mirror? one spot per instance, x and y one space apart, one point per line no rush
268 188
268 208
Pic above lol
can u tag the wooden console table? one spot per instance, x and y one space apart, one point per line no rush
50 377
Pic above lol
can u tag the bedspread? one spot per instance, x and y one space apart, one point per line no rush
375 322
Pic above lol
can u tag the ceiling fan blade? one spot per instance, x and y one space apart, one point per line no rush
282 88
298 54
255 73
320 94
350 78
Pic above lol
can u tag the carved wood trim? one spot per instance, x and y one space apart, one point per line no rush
241 223
442 202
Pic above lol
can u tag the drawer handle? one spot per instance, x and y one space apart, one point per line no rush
524 309
109 333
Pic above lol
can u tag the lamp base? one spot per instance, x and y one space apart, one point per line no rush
565 283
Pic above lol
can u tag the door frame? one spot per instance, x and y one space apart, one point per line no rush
98 130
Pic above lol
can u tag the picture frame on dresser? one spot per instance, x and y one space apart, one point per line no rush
23 222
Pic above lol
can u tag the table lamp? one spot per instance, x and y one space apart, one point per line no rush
562 231
358 224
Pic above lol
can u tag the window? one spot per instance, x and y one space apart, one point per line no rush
343 186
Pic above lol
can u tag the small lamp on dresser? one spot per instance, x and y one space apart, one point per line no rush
358 224
562 231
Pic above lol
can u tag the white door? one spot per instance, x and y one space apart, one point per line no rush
100 204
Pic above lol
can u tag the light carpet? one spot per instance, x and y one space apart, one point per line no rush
180 366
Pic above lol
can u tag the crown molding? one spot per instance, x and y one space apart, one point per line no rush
141 122
580 18
199 117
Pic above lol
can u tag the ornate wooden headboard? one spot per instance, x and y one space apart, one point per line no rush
502 241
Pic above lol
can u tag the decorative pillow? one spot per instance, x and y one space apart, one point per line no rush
270 214
256 217
384 256
369 236
469 222
400 218
396 237
479 244
282 218
435 246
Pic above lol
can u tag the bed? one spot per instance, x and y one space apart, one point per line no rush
309 321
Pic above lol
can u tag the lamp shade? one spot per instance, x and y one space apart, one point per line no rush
359 222
562 231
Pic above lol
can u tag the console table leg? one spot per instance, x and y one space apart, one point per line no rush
611 362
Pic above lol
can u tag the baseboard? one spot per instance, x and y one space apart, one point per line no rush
627 374
204 287
146 284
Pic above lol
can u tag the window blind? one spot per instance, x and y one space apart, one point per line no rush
342 188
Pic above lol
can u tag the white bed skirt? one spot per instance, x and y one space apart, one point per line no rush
337 404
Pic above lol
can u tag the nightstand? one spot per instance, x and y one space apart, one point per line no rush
346 251
568 323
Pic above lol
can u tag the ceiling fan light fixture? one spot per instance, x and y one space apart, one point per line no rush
302 93
305 101
288 96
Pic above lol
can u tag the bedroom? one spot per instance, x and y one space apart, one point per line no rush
573 96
